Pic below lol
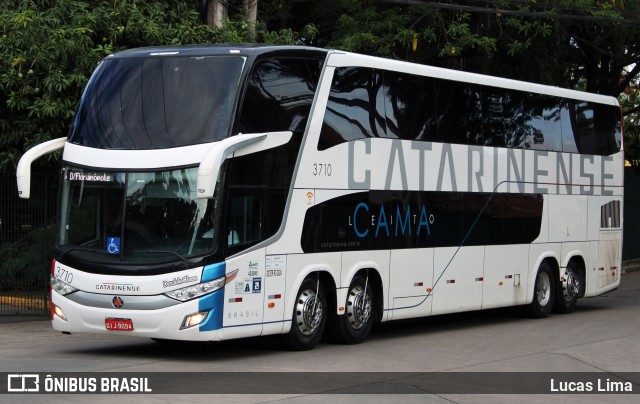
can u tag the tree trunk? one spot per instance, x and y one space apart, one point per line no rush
250 8
216 13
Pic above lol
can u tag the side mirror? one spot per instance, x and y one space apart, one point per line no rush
23 171
239 145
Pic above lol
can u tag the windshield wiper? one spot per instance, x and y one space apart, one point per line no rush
161 252
83 249
103 252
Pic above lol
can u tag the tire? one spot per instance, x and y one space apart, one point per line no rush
543 292
309 317
569 290
354 326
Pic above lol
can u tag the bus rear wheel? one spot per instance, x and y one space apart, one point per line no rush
309 317
543 292
569 290
354 326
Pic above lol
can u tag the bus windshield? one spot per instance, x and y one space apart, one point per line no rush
158 102
134 217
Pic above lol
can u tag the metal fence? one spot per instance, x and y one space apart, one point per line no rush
26 244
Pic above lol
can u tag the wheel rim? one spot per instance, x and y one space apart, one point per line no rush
543 286
308 312
358 307
572 287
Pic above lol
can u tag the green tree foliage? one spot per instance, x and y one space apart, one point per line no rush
49 49
582 44
590 45
38 71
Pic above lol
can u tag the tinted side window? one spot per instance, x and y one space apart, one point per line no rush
541 123
257 186
252 215
490 116
498 105
521 120
595 127
410 107
459 109
355 109
279 95
438 110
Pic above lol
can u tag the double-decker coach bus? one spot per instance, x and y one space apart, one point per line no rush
213 192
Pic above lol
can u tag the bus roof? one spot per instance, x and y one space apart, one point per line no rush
215 50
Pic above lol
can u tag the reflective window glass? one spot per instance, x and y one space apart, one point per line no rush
410 107
279 95
355 109
160 102
595 127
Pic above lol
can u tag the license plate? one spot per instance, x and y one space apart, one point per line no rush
118 324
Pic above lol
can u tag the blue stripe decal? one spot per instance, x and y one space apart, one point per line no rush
214 271
214 302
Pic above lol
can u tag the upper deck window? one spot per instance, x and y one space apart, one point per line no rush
158 102
365 102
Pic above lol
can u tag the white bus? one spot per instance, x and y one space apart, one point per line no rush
212 192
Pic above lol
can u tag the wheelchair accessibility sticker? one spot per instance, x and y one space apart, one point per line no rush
113 245
257 285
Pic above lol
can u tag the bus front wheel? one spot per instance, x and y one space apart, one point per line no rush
543 292
354 326
309 317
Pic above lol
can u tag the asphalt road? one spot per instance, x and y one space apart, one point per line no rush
602 335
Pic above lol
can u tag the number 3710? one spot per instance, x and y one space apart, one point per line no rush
64 275
322 169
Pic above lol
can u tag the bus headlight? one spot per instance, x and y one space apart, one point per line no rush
201 289
61 287
58 312
193 319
